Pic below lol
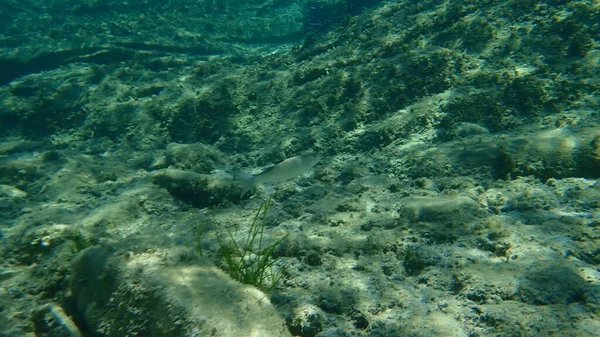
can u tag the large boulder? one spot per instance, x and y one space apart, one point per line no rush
154 293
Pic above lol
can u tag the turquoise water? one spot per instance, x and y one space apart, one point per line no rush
456 193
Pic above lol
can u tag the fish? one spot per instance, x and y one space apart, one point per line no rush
286 170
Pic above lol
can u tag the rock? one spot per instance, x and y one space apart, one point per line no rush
12 171
200 190
11 192
198 157
468 129
418 257
553 285
152 294
19 145
307 321
424 208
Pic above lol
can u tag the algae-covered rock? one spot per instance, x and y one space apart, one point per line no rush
152 294
307 321
197 157
13 170
200 190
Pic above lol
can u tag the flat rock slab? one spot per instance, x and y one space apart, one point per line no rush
424 208
151 294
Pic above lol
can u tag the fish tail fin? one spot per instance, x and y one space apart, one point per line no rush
247 181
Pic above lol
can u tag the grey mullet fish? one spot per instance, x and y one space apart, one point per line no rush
287 169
